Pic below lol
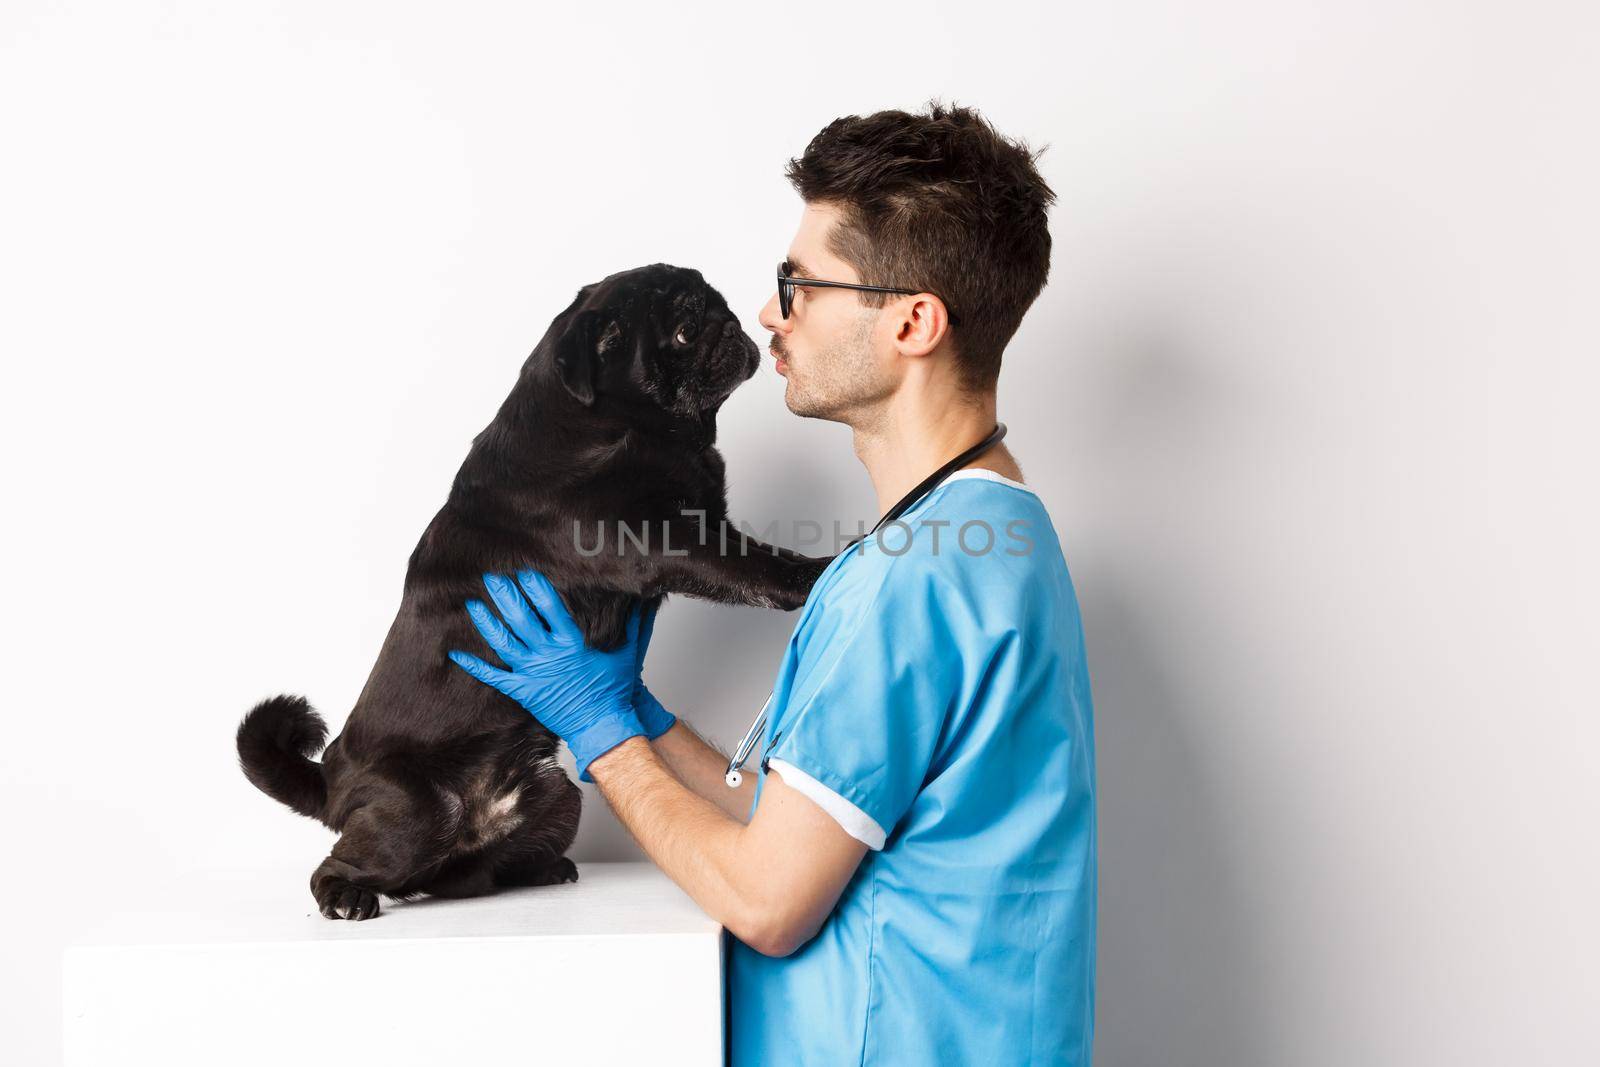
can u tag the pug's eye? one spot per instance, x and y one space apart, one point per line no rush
685 333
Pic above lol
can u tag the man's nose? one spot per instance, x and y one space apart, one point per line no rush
771 319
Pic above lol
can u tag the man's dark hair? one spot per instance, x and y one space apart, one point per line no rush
938 202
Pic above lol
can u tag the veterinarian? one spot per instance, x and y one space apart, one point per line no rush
910 879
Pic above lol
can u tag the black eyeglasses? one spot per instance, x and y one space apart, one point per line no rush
787 284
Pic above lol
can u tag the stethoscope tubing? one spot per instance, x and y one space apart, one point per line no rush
742 753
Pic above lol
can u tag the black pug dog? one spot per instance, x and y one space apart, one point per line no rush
440 784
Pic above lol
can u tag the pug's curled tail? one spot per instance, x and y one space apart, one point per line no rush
276 742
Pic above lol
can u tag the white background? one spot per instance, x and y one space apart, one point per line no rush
1310 397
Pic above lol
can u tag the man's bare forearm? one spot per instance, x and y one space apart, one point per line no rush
694 842
702 767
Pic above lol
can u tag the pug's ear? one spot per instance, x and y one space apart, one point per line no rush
644 342
578 355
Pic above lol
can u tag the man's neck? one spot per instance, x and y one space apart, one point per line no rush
911 437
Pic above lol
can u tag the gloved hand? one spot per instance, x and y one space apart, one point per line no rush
656 719
583 696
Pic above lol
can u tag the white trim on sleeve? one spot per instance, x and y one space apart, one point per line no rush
857 823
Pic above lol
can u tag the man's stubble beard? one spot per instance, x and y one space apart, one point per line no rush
840 380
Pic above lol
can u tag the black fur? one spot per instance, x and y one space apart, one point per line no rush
438 783
276 742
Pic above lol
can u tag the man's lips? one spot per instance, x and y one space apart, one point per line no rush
782 366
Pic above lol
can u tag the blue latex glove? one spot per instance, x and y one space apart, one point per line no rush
656 719
583 696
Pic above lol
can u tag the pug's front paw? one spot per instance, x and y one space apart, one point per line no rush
802 575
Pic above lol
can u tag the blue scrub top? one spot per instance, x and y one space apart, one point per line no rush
934 699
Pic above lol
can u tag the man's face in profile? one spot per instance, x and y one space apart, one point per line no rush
827 348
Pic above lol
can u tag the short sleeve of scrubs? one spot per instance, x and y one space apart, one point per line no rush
865 714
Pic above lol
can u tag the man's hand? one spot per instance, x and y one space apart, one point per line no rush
583 696
656 719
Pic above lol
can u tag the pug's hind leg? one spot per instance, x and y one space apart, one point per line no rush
469 876
384 844
546 871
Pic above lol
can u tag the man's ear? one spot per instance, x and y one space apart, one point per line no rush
577 355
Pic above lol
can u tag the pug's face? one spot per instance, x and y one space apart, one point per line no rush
656 336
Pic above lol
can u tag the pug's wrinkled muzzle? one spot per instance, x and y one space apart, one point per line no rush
735 359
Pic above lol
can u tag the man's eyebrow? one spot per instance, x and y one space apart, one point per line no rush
797 269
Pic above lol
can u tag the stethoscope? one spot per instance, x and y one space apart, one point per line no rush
922 489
